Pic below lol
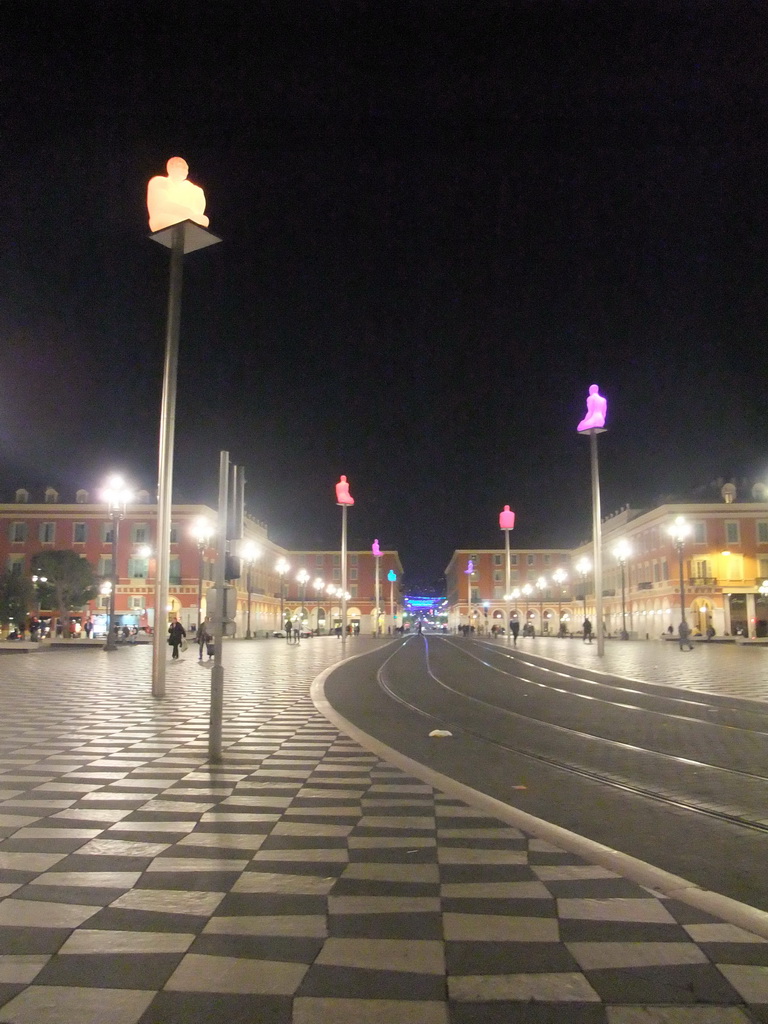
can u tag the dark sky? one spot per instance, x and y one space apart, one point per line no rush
441 223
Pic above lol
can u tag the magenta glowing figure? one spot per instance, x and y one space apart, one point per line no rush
376 549
506 519
470 568
343 497
597 407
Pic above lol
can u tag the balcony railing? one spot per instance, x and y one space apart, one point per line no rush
645 585
702 581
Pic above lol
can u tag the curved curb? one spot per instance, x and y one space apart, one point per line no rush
671 886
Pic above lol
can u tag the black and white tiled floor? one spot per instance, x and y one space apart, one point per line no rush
305 880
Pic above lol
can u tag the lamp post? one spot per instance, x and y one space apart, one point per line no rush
318 586
469 572
541 586
331 592
559 576
583 568
376 556
392 576
527 591
202 531
515 596
106 591
116 496
281 569
621 553
250 553
302 578
486 606
507 523
592 425
679 531
145 551
345 499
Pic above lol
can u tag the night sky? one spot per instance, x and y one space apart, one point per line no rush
442 222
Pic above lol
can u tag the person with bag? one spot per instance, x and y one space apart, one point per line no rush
176 634
205 639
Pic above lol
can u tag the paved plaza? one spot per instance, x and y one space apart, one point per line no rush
309 879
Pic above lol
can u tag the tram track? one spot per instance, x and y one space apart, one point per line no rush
720 791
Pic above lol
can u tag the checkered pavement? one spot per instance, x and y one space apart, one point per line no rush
306 879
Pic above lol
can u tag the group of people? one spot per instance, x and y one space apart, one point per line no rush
177 636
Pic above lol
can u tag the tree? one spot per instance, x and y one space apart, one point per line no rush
16 597
70 577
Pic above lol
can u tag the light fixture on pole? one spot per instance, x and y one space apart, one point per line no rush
392 576
146 552
202 531
583 568
250 553
106 596
331 592
376 556
469 573
507 523
527 591
281 569
116 495
515 595
592 425
621 553
541 586
345 499
319 586
302 578
679 531
177 220
559 576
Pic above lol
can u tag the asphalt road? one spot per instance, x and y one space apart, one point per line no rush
608 729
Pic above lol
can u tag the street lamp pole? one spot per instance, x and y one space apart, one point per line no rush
559 576
468 572
583 568
592 425
507 523
541 586
679 530
392 576
345 499
116 495
319 586
527 591
302 578
281 569
622 552
202 531
376 556
250 554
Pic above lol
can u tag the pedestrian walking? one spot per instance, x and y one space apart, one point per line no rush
514 627
684 633
176 634
204 637
288 629
587 627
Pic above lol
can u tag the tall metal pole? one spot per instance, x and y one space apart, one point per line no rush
200 585
469 600
682 583
111 641
507 584
624 633
248 584
597 541
392 603
217 671
376 623
165 461
343 574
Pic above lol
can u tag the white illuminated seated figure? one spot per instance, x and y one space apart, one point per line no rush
597 406
173 199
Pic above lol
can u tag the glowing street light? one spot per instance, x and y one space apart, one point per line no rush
250 553
584 568
281 569
621 553
527 591
541 586
116 496
302 578
679 530
559 576
202 531
318 585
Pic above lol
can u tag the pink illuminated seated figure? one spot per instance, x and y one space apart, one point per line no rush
597 406
343 497
506 519
376 549
173 199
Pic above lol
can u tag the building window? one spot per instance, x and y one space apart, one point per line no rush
47 533
105 566
514 575
353 572
353 559
664 569
138 568
699 533
547 559
497 575
140 533
18 532
473 558
175 571
531 559
498 593
513 559
16 564
732 533
531 574
336 575
655 572
762 532
319 561
337 559
497 559
763 568
78 533
106 533
353 590
475 595
174 534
